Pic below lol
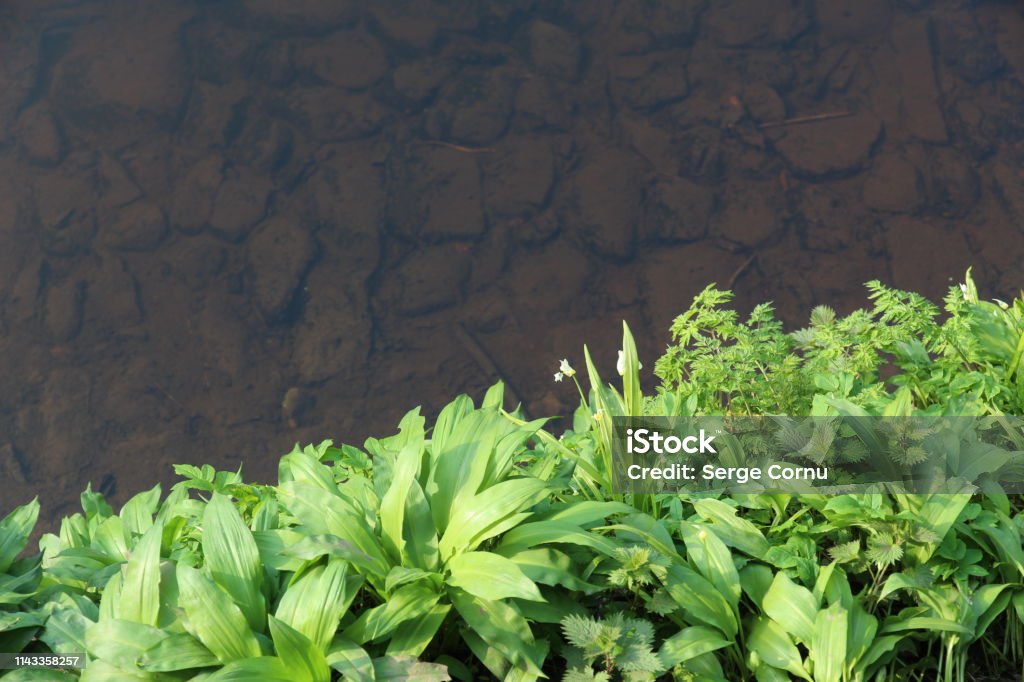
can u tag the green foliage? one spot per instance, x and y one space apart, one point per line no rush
967 363
620 646
487 546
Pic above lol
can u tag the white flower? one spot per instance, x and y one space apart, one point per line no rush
1002 304
963 288
559 376
621 364
566 369
598 415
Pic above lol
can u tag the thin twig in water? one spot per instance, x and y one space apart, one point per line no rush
486 362
165 394
805 119
459 147
739 272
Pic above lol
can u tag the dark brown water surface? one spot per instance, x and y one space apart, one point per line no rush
229 226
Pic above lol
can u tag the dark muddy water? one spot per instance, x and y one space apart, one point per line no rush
229 226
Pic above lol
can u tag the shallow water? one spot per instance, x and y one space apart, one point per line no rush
226 226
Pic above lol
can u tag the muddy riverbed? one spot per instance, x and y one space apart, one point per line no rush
229 226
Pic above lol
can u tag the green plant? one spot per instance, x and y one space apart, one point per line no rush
620 646
476 548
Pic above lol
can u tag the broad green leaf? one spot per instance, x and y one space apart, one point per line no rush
349 659
393 503
449 417
213 618
860 634
137 513
302 467
15 529
177 652
529 535
102 671
313 547
301 657
987 603
792 606
273 544
700 600
712 559
262 668
690 643
459 466
899 624
408 669
140 583
418 531
773 646
631 394
755 579
478 518
730 528
828 644
121 642
315 602
233 559
549 566
65 631
111 597
500 626
413 636
325 514
586 512
111 538
406 603
490 576
939 512
400 575
766 673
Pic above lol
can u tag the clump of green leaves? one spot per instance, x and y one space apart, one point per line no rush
620 647
965 359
